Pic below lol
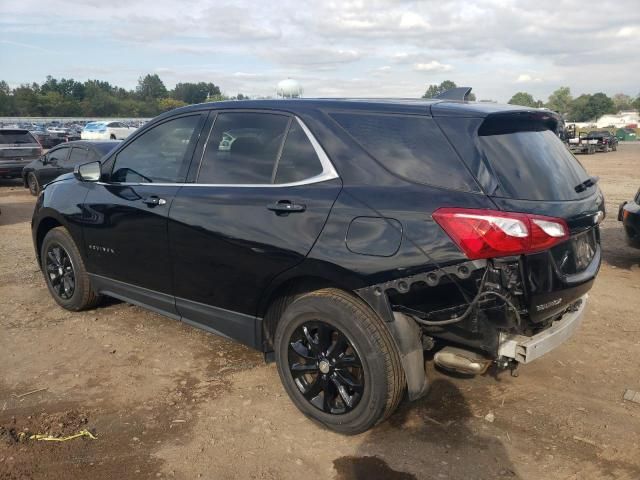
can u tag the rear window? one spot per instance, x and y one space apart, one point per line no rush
533 165
16 136
412 147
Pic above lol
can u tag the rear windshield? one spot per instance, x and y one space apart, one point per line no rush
95 126
16 136
412 147
534 165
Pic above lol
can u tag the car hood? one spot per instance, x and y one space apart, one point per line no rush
33 165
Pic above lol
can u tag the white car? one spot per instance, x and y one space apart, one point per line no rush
106 131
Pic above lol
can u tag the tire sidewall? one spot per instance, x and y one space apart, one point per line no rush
30 176
372 404
58 238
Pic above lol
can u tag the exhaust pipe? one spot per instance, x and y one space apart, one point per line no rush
461 361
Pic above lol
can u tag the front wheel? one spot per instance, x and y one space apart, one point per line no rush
33 184
338 362
65 273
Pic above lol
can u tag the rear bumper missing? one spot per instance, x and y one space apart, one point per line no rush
525 349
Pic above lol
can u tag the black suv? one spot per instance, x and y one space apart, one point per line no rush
342 238
606 141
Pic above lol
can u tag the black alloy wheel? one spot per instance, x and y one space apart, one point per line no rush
60 272
338 361
326 367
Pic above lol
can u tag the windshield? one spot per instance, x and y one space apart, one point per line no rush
16 136
534 166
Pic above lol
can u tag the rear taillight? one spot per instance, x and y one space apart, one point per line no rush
491 233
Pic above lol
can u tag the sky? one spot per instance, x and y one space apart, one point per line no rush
377 48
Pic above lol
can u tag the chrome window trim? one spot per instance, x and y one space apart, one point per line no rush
328 171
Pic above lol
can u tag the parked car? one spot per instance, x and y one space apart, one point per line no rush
43 138
62 159
341 238
106 131
629 215
604 140
60 135
17 149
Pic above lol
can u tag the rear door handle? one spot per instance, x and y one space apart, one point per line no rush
286 206
154 200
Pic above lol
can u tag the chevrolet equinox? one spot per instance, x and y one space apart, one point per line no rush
343 238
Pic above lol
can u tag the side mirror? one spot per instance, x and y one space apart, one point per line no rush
88 172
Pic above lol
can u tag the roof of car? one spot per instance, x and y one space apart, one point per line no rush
434 107
91 143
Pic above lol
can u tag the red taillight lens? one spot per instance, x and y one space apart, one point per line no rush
490 233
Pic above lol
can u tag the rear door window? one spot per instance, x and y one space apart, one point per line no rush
412 147
533 165
299 160
78 156
58 156
243 148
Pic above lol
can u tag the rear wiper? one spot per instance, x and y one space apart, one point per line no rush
589 182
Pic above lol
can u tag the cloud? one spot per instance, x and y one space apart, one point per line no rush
350 47
526 78
432 66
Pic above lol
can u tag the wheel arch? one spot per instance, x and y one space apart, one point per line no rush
44 226
406 334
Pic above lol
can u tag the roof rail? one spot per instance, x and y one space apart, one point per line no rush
458 93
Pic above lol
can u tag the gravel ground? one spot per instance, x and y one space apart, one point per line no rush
164 400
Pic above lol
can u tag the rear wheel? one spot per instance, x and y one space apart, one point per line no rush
33 184
65 273
337 361
112 137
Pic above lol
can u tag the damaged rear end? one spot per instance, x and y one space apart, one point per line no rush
531 258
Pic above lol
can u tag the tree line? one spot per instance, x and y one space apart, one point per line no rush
585 108
96 98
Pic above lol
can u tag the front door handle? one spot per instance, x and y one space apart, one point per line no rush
286 206
153 201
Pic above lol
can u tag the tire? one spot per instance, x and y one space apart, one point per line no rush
65 273
33 184
112 137
370 392
615 147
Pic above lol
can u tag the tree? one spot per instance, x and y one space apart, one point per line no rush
560 101
601 104
435 90
580 109
588 108
525 99
622 102
636 103
6 100
166 104
218 97
151 87
194 92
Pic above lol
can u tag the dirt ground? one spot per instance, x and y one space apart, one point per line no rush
165 400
